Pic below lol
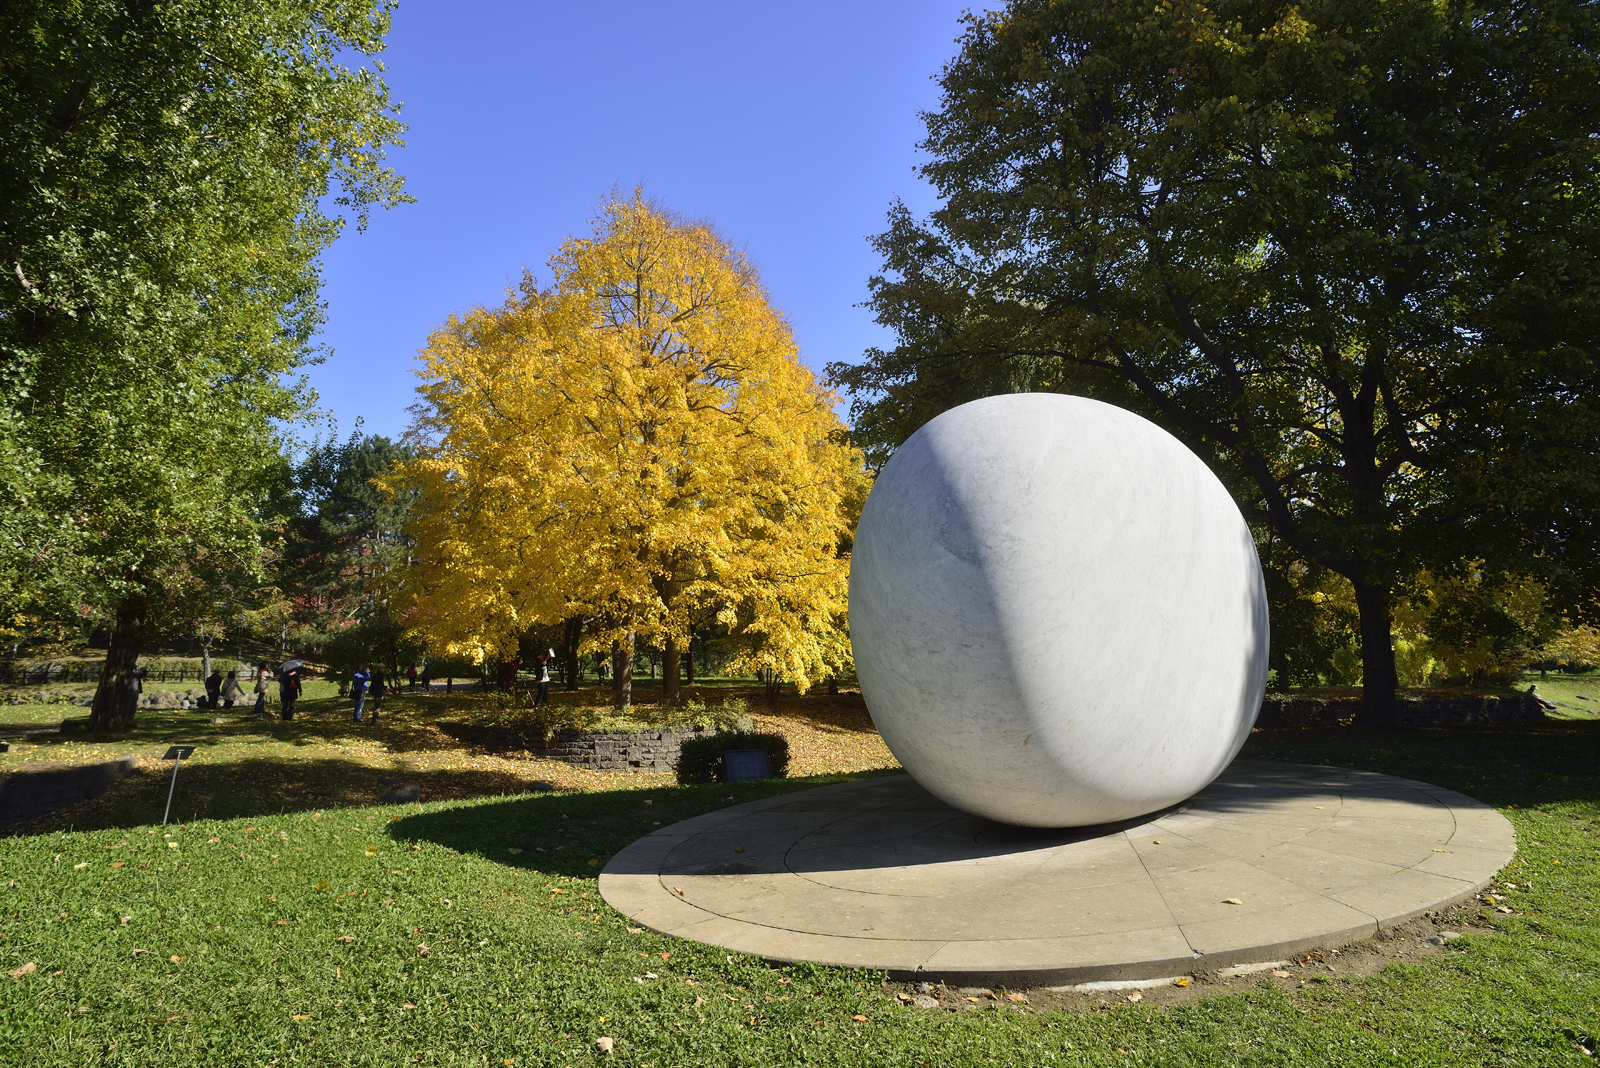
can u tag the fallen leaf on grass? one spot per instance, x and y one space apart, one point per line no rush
858 1018
1182 981
1136 996
118 864
513 851
137 951
603 1044
301 1016
26 969
422 951
698 1002
636 930
1280 973
85 864
322 884
174 958
1503 909
345 938
281 923
976 1001
666 956
1018 997
408 1005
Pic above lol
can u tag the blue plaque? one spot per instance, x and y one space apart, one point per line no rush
745 764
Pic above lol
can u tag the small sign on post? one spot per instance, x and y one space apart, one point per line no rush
176 755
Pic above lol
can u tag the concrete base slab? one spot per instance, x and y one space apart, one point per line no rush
1268 861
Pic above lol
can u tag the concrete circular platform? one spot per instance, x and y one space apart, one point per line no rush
1268 861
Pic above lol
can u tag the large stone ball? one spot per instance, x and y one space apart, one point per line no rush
1057 612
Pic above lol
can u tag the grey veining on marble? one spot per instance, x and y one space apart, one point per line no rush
879 873
1057 612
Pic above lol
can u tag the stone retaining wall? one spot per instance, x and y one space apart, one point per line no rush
651 750
1278 710
26 794
655 750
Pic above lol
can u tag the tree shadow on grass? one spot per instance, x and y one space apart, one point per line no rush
1513 765
223 790
575 833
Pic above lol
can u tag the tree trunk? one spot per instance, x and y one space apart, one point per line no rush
205 661
688 661
122 658
772 687
1378 675
833 685
574 635
622 672
671 663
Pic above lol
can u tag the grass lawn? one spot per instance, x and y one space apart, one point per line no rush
453 746
470 932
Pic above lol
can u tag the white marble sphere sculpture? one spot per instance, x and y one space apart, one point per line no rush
1057 613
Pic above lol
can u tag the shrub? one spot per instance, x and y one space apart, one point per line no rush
700 759
732 714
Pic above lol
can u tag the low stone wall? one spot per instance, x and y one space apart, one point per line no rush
655 750
1280 710
26 794
651 750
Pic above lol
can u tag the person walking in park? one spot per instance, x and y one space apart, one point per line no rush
131 709
378 688
263 678
541 675
288 693
213 687
411 678
358 688
231 690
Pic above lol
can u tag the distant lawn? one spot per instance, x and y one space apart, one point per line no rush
455 747
525 966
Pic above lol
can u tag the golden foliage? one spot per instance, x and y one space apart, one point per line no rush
638 443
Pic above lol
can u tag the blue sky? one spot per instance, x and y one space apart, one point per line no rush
790 126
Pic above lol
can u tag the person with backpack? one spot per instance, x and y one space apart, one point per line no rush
288 693
358 688
263 675
213 688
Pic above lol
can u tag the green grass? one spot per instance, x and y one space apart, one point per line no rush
261 978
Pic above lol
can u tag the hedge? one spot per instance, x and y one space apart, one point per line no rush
700 759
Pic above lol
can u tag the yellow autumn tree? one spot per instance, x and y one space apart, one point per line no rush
638 443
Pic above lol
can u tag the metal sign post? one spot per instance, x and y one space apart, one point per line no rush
176 755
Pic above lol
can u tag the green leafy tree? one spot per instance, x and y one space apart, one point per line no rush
350 532
1345 250
348 535
163 175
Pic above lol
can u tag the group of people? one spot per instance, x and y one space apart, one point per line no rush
226 691
364 681
367 687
